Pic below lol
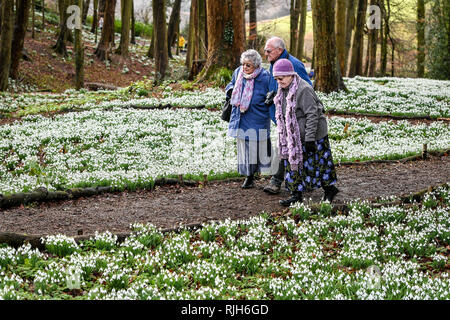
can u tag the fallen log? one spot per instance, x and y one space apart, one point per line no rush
95 86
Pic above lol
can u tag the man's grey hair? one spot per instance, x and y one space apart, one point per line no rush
253 56
277 42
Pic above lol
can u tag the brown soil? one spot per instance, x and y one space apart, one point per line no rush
171 206
50 72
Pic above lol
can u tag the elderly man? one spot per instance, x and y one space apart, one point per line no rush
274 50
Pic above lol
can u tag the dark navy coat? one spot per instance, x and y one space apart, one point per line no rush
257 117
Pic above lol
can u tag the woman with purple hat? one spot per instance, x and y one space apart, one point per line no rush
303 136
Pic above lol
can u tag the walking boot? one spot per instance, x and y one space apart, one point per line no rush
330 193
272 188
296 196
248 182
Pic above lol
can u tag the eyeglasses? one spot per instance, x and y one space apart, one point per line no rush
270 50
248 65
279 78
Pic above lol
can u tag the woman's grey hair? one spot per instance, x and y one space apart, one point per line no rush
253 56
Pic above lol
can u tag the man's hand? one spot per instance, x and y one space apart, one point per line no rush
310 146
269 97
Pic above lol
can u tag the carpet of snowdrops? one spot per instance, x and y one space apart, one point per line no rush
392 252
382 96
130 148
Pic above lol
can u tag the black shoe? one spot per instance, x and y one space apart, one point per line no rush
248 183
295 197
330 193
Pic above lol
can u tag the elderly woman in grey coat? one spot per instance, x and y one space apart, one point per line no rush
303 136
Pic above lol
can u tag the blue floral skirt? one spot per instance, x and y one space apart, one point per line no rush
318 169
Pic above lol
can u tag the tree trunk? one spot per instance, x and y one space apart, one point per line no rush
340 31
366 64
392 55
95 18
295 12
160 31
252 34
373 44
356 64
33 19
420 38
225 37
60 46
0 16
191 36
20 30
151 47
125 9
133 25
102 7
328 76
6 35
197 41
349 26
105 44
300 54
384 36
86 5
172 26
43 15
177 41
202 30
79 54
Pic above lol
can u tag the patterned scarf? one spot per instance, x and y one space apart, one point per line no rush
289 141
241 98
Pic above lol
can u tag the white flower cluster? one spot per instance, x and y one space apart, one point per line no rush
9 286
105 240
60 244
24 254
46 281
392 96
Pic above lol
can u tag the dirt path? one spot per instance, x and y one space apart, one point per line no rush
171 206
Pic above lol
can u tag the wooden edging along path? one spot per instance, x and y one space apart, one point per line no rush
35 240
41 194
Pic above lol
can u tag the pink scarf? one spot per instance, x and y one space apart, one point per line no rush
289 141
241 98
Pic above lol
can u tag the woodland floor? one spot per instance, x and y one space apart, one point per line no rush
171 206
49 72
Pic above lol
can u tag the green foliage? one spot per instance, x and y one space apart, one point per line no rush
208 234
222 77
438 62
143 30
301 211
141 87
228 33
140 29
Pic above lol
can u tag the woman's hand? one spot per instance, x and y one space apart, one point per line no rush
310 146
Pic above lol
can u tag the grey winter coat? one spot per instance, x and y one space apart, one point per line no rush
309 111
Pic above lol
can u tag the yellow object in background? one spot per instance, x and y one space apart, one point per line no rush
181 42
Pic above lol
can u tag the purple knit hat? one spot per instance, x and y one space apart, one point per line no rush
283 67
